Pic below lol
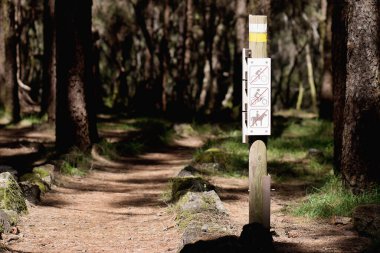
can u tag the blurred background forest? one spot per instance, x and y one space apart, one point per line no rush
182 59
90 83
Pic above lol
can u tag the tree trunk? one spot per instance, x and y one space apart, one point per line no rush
259 7
357 91
2 56
48 103
164 54
75 124
326 93
339 55
10 93
310 78
240 43
181 110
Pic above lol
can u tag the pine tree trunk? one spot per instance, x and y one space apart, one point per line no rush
259 7
356 48
10 93
2 56
48 103
241 37
75 121
326 93
310 78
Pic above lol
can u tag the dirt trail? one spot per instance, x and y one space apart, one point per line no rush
117 208
292 234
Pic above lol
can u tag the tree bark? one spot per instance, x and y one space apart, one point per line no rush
259 7
182 87
356 61
48 103
339 55
10 92
75 123
310 78
2 56
241 37
326 93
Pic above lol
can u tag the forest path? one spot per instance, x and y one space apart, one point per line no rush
116 208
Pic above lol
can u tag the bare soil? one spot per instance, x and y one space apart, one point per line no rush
292 234
118 207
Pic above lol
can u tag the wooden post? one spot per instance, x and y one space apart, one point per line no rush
259 181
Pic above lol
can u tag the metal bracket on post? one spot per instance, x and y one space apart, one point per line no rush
245 55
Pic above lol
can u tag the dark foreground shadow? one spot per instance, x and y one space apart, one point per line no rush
253 239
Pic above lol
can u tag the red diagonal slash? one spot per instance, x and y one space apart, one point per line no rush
258 75
257 98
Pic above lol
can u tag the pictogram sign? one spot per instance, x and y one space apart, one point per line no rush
259 95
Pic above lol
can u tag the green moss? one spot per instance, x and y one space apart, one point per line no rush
41 172
213 155
184 219
208 202
34 178
11 197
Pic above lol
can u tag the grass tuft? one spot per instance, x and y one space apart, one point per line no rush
75 163
333 199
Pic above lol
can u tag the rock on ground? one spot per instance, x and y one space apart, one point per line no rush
201 215
367 220
11 196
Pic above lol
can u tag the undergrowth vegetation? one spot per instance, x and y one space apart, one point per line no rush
75 163
332 199
288 149
299 149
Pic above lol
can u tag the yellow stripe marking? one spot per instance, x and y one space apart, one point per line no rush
257 37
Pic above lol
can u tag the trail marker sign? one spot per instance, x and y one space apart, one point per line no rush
256 95
259 94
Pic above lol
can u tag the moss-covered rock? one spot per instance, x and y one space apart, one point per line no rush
31 191
188 171
13 216
42 177
34 179
6 168
201 215
184 130
11 196
46 173
182 185
213 156
196 202
5 224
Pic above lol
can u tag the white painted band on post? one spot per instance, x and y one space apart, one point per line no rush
257 28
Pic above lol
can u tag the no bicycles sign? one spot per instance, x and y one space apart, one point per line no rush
259 94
